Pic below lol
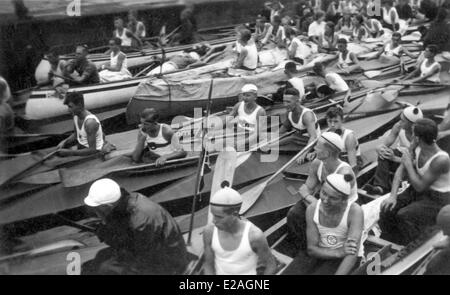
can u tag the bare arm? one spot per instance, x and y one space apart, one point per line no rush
91 127
259 245
309 122
208 265
292 50
118 66
241 57
436 69
390 139
140 146
309 188
350 145
356 227
410 54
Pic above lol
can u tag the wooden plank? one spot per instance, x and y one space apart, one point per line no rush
382 243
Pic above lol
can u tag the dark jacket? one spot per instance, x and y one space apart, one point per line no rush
145 236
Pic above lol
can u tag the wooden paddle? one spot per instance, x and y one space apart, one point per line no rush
252 195
223 171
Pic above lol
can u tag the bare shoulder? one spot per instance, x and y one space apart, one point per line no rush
355 210
91 125
208 233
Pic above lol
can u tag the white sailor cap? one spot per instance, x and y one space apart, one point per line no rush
249 88
333 139
103 191
226 197
340 183
412 114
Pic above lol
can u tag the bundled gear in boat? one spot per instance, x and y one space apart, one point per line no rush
143 238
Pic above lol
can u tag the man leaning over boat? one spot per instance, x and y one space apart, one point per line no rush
156 142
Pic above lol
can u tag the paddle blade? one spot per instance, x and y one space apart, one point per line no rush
372 74
372 84
252 195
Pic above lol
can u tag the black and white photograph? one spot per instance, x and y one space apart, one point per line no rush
252 140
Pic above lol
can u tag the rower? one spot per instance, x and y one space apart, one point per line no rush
429 69
347 61
116 69
276 32
56 73
156 142
351 153
298 51
328 40
317 28
136 26
86 69
373 26
440 264
359 32
88 135
233 246
390 152
143 238
404 11
188 27
125 35
345 24
333 80
404 217
247 58
275 8
6 114
327 162
261 28
393 49
300 118
334 228
390 16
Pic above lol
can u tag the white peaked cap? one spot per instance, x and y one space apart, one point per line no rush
103 191
333 139
340 183
412 114
249 88
226 197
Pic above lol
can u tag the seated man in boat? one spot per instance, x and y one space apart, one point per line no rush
247 115
247 58
136 26
116 69
298 51
56 73
327 151
393 49
351 152
405 216
188 28
390 16
334 226
156 142
275 33
261 28
86 69
373 26
333 80
390 151
143 238
328 40
429 69
125 35
317 28
347 61
345 24
359 32
88 135
233 246
299 118
440 264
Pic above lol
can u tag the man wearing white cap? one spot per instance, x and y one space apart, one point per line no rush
247 112
327 150
404 217
234 246
142 236
390 152
334 230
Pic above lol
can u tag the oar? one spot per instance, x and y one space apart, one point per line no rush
252 195
144 70
422 268
23 171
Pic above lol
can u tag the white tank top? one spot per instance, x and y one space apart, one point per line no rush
299 125
389 51
158 145
251 60
114 59
126 41
338 84
247 121
302 51
442 184
242 261
321 177
344 136
344 62
424 70
82 135
387 15
403 141
356 33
